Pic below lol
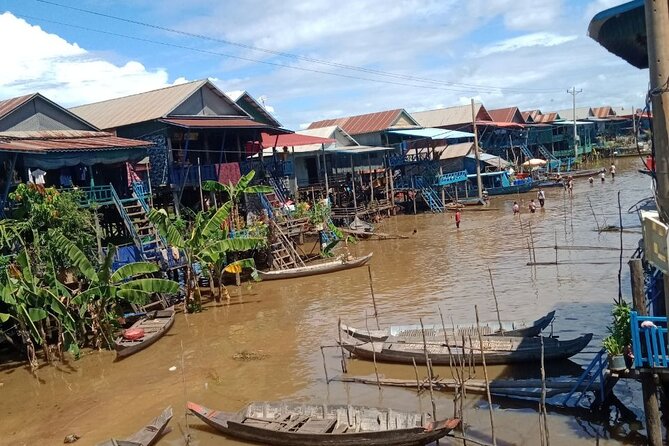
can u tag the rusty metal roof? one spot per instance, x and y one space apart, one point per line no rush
145 106
603 112
9 105
508 114
367 123
546 118
65 141
293 139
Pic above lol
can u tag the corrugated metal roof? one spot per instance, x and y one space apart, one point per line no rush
622 31
9 105
527 116
602 112
492 160
202 123
65 141
358 150
367 123
244 96
547 118
453 151
434 133
508 114
451 116
582 113
145 106
331 131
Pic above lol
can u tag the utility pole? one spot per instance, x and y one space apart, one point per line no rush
479 183
573 92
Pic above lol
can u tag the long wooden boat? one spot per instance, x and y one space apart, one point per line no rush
312 270
506 190
414 333
284 424
154 325
359 225
146 436
497 350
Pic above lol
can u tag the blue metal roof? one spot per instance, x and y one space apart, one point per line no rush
433 133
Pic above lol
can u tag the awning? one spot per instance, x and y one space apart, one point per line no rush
513 125
491 160
433 133
622 31
358 150
223 123
453 151
572 123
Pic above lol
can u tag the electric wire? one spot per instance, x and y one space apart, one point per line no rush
301 57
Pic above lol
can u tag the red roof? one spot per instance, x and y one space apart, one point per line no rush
546 118
602 112
203 123
9 105
360 124
65 141
509 114
501 124
292 139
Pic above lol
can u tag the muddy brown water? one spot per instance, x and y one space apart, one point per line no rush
285 322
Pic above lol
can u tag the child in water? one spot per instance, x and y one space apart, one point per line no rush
516 208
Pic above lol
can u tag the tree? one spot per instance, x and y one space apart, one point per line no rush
206 243
236 191
104 290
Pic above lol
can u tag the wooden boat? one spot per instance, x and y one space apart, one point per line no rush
337 425
155 324
359 225
413 333
312 270
497 349
147 435
512 189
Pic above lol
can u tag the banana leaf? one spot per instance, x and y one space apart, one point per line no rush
132 270
76 256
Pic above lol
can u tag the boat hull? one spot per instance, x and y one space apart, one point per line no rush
313 270
163 322
267 430
498 350
409 333
148 435
506 190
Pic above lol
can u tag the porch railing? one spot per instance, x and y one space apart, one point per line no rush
648 341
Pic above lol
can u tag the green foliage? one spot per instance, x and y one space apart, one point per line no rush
620 335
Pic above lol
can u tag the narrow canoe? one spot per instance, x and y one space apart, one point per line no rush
506 190
497 350
285 424
413 333
155 324
312 270
359 225
146 436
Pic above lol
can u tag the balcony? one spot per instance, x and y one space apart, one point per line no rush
648 341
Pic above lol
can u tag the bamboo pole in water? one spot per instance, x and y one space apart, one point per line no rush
371 289
485 375
376 369
428 363
325 367
341 346
543 394
494 296
415 369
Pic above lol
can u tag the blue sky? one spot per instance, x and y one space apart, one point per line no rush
523 53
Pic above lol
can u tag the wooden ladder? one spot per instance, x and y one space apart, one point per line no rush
284 255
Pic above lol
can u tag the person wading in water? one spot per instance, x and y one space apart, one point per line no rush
541 196
458 217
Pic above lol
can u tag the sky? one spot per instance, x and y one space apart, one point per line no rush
318 59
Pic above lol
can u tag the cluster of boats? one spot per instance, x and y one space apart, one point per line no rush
502 343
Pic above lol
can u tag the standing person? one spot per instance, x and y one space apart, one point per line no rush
541 196
516 208
458 217
591 180
613 171
602 175
533 207
570 185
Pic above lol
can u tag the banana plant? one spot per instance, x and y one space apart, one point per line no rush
205 243
236 191
104 291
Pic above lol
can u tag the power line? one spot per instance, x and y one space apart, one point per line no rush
248 59
300 57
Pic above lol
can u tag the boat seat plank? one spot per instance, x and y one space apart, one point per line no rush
295 424
340 428
312 426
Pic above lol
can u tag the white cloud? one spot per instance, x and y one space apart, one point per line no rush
536 39
63 71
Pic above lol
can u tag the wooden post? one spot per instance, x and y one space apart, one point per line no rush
485 375
341 346
428 364
494 296
651 405
657 32
371 288
544 420
325 367
479 183
376 369
199 181
415 369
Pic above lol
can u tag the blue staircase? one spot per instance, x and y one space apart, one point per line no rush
527 153
592 376
430 196
554 163
134 213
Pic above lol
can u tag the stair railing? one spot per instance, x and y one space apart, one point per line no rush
288 244
127 220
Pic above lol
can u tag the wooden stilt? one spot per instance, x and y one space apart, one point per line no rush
485 375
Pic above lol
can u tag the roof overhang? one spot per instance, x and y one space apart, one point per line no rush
510 125
433 133
622 31
221 123
66 141
359 150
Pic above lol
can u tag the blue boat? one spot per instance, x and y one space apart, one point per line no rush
499 183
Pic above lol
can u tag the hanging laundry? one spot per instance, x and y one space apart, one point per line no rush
38 176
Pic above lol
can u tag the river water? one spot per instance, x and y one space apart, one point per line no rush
282 324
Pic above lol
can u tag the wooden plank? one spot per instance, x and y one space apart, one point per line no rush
312 426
